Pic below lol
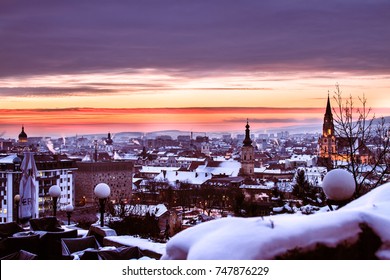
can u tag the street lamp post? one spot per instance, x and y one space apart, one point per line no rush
17 200
96 148
69 209
102 191
55 192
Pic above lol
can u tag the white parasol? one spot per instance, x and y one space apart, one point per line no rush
27 187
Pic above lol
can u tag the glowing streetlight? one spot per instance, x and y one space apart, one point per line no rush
55 192
339 186
102 191
69 209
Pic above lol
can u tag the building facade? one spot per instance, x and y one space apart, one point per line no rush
9 178
118 175
54 171
51 171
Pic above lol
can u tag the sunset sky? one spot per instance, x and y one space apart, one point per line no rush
79 67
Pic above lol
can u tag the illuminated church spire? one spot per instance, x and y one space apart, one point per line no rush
327 141
328 126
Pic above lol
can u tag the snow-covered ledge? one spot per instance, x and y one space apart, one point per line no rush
101 232
277 236
149 248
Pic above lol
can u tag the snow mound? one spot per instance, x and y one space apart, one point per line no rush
270 237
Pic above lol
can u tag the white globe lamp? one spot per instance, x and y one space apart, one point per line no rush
55 192
102 191
69 209
338 185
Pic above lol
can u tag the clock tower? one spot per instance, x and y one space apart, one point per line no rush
247 154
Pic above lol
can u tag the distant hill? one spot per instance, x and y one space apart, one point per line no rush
293 129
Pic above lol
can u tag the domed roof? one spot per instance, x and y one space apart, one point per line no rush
22 135
17 160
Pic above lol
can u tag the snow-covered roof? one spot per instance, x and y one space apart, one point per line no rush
273 171
219 158
314 170
230 168
130 157
143 244
8 159
188 159
259 169
156 169
260 187
268 237
194 178
304 157
87 158
117 156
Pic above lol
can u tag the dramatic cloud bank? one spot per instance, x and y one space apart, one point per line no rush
44 36
187 54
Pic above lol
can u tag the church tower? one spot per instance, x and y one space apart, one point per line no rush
327 141
109 146
247 154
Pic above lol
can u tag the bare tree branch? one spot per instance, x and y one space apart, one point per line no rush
363 142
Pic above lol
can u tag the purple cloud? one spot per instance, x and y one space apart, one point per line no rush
193 37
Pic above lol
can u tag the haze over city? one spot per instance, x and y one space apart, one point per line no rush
201 66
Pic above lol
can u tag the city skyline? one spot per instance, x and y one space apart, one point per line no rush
77 68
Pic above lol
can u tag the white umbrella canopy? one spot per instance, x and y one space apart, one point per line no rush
27 187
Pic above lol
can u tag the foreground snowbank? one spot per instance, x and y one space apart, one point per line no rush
269 237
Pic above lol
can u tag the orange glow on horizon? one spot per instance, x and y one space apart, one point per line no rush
149 99
71 121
